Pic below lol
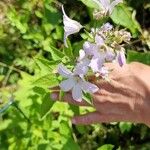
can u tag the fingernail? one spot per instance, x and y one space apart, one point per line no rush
54 96
73 121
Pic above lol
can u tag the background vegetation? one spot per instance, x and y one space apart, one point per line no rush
31 46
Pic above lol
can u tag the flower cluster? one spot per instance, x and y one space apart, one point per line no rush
106 46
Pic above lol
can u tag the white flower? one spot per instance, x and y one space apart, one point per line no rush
75 83
70 26
108 6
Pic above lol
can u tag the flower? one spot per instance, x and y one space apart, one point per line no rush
108 6
121 57
75 83
104 72
110 55
106 27
92 55
81 67
70 26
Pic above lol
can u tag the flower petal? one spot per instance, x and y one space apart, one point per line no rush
104 72
63 71
106 27
68 84
77 93
96 63
99 40
82 67
121 58
105 3
110 55
89 48
89 87
70 26
81 54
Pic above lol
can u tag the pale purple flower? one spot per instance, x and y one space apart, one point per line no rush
75 83
99 40
89 48
93 54
96 63
110 55
107 6
81 67
70 26
104 72
106 27
121 57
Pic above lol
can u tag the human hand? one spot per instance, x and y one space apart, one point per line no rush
124 98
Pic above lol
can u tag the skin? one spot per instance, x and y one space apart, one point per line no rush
126 97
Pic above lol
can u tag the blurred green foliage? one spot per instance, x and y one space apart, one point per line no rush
31 47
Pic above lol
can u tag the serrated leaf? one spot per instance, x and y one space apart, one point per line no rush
46 105
55 53
46 81
45 66
122 16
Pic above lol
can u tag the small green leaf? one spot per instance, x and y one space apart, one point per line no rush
88 98
68 51
125 126
70 144
1 77
65 129
91 3
106 147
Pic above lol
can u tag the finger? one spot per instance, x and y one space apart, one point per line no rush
86 119
116 70
68 99
95 117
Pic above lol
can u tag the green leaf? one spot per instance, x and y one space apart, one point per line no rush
122 16
5 124
106 147
68 51
55 53
88 98
45 66
65 129
70 144
91 3
46 105
46 81
139 57
125 126
81 129
1 77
